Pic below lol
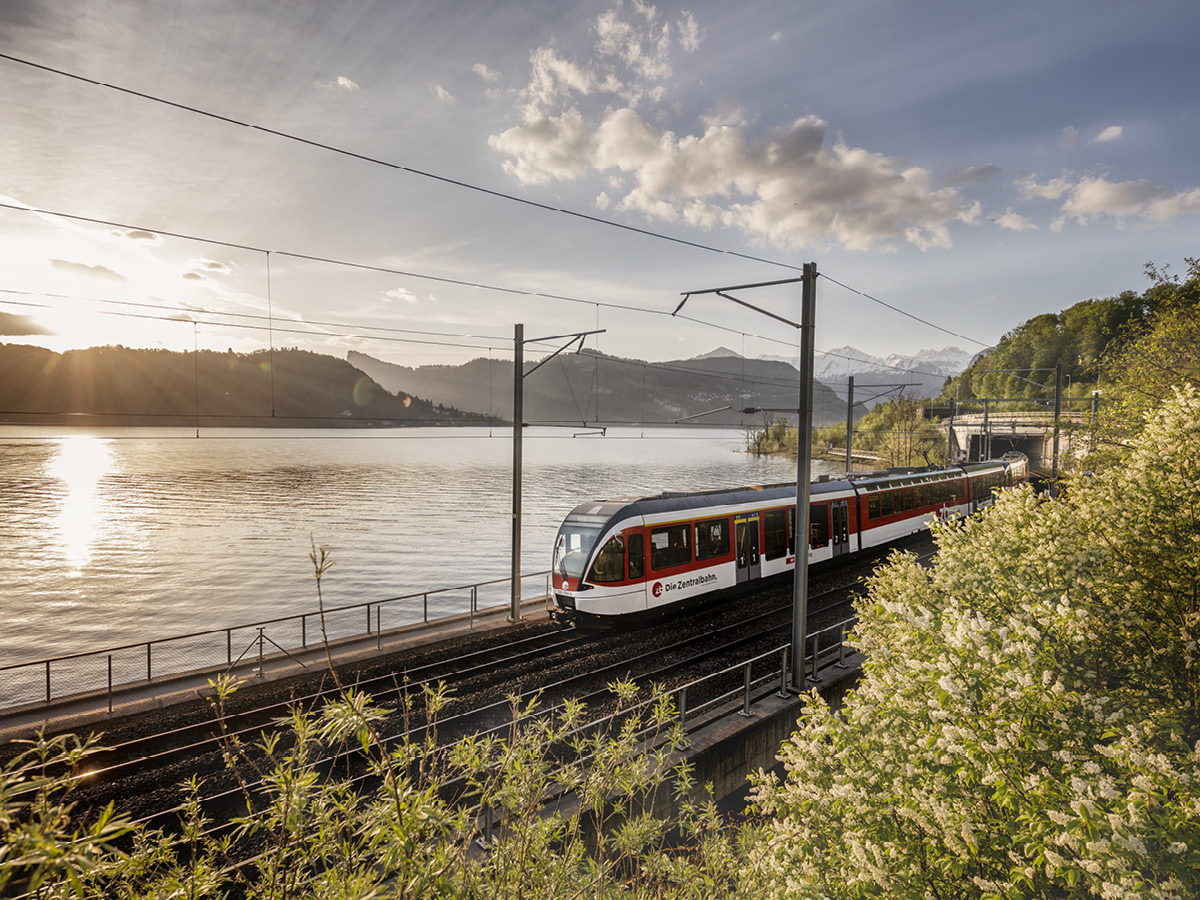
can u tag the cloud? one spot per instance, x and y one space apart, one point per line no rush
1051 190
1014 222
12 325
443 96
488 75
65 265
976 175
195 276
341 83
1108 135
1092 198
777 37
210 265
137 234
1068 137
402 294
793 187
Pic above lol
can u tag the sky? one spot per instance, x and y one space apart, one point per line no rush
412 179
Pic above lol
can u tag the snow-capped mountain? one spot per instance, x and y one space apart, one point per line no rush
925 370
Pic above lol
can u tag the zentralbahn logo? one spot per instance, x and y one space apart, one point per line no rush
660 588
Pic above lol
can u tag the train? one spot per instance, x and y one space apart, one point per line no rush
636 558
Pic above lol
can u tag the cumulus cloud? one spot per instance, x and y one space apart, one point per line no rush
210 265
65 265
137 234
1068 137
793 188
443 96
341 83
1108 135
402 294
1091 198
195 276
777 37
12 325
488 75
976 175
1014 221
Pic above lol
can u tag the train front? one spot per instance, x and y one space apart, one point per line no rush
575 547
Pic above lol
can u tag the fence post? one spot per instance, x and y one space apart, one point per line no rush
683 706
47 681
474 600
816 642
378 632
841 663
368 618
229 646
304 631
261 673
425 606
149 676
110 684
746 691
783 673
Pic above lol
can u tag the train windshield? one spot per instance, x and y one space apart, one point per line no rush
572 548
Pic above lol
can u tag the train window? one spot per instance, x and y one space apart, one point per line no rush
872 506
637 556
885 503
927 495
775 533
669 547
712 538
610 562
572 548
910 498
818 526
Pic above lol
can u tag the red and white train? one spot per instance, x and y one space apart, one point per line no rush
631 558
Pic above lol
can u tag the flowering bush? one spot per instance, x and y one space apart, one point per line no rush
1028 718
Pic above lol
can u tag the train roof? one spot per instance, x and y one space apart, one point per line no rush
671 501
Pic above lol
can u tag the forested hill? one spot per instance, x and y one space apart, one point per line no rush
1077 338
591 387
124 386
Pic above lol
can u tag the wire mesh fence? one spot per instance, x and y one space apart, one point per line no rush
111 669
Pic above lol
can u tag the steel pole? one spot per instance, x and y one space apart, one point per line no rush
803 476
850 427
514 613
1057 413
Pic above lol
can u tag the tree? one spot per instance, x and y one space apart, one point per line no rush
1028 717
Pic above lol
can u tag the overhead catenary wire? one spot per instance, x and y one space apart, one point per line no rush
428 277
468 185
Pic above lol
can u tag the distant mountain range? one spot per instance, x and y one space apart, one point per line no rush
926 370
587 387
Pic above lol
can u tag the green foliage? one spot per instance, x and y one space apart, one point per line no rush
560 807
1148 363
1028 718
897 431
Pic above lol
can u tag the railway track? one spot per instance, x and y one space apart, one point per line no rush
558 664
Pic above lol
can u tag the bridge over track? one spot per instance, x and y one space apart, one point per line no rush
988 435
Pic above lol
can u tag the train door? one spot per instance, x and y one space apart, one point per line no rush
745 538
841 527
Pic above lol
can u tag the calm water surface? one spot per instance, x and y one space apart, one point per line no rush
123 535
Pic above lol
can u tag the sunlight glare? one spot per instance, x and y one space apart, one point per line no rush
81 462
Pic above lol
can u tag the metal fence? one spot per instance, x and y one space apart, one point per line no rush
99 671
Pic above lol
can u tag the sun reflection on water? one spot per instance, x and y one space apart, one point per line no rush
81 463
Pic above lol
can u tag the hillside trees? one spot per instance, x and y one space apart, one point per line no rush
1028 718
1145 364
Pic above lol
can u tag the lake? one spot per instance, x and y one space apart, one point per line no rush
113 536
